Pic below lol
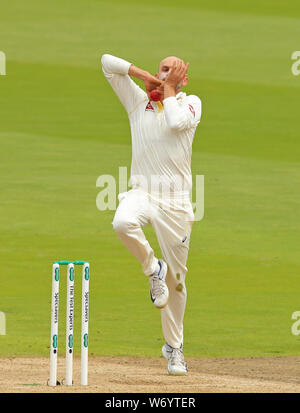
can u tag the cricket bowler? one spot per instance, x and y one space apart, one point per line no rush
163 121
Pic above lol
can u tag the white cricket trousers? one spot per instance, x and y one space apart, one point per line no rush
172 220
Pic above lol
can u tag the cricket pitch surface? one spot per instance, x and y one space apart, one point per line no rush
149 375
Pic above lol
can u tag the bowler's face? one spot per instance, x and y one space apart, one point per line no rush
165 67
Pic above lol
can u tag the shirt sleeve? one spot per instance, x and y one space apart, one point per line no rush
182 116
116 70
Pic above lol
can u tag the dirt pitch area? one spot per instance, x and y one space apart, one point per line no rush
149 375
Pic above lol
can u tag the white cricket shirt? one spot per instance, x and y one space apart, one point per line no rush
161 139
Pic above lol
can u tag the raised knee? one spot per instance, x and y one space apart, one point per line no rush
122 226
119 225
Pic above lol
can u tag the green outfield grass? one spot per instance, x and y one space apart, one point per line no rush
61 126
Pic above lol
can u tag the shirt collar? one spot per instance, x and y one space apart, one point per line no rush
180 95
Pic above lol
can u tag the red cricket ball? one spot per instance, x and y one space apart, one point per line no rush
155 95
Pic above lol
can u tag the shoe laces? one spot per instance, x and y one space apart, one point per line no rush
177 357
157 286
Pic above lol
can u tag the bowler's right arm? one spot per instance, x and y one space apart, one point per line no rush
118 71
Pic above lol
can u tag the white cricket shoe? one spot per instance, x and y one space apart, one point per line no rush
176 364
159 291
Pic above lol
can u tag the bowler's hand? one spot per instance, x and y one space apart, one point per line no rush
151 83
177 73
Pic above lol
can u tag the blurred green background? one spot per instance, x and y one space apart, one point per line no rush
61 126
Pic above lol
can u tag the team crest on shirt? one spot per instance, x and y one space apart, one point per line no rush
149 107
192 109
